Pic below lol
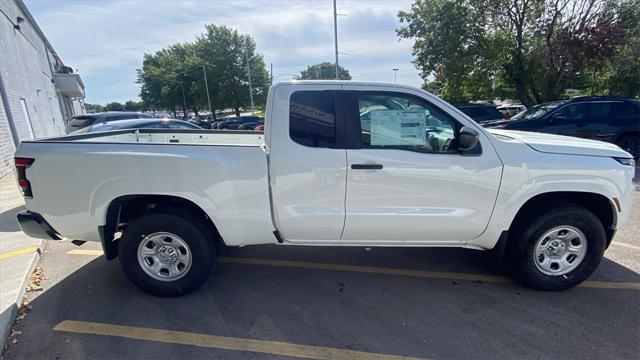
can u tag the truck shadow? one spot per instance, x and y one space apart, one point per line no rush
8 222
370 312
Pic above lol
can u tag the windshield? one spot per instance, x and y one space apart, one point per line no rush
81 121
538 110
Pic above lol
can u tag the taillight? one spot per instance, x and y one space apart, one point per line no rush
21 171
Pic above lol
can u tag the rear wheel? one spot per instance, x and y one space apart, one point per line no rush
167 254
631 144
559 249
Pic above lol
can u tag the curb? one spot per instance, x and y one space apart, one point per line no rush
8 317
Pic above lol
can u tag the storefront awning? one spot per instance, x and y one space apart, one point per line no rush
69 84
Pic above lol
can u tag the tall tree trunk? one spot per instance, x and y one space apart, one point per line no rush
237 109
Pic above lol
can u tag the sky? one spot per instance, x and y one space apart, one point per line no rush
104 41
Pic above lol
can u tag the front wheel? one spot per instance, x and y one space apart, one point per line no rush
559 249
166 254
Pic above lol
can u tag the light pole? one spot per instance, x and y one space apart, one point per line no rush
206 85
335 36
395 75
184 99
246 55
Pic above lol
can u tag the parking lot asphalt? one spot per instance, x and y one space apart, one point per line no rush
272 302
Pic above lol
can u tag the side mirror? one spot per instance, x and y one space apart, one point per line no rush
468 139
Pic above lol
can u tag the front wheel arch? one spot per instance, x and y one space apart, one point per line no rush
601 206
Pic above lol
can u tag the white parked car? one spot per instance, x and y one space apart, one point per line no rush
509 110
414 171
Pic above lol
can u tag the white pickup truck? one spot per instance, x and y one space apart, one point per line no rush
340 164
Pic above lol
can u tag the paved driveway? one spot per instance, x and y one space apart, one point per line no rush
268 302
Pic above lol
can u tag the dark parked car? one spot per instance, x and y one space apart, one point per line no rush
250 126
234 122
81 121
481 113
138 124
611 119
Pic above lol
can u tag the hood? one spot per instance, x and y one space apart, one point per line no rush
558 144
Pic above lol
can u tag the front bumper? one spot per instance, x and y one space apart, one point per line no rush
34 225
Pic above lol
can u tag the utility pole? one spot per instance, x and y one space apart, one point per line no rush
206 85
184 108
246 55
335 35
395 75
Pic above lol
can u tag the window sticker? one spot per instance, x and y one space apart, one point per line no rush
398 127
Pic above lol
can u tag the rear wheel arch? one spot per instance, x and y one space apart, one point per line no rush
124 209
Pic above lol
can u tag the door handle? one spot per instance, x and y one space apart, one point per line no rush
366 166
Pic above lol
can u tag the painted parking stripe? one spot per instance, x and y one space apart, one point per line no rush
388 271
220 342
366 269
85 252
629 246
19 252
412 273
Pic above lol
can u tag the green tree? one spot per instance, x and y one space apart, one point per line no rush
114 106
165 78
324 71
132 106
96 108
174 76
533 48
224 53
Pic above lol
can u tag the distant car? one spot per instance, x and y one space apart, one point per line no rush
250 126
510 110
234 122
481 113
81 121
138 124
610 119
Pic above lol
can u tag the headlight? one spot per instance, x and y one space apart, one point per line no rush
626 161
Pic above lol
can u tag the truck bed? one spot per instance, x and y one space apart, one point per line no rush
167 136
75 178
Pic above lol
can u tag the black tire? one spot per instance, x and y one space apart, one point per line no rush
631 144
522 245
189 229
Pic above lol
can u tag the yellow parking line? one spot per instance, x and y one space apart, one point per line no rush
367 269
412 273
388 271
19 252
220 342
85 252
610 285
618 243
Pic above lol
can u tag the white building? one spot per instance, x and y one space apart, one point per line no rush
39 94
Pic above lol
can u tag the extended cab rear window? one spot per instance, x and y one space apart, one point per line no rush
312 118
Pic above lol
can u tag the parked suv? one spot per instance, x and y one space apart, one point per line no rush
481 113
82 121
611 119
